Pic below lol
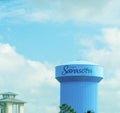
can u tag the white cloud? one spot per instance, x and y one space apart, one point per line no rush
109 58
19 11
95 12
112 36
12 63
37 16
34 81
100 12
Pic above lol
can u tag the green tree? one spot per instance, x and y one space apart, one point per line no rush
90 111
64 108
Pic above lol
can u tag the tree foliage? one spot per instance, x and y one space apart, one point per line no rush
90 111
64 108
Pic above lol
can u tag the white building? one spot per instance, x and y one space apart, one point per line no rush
9 104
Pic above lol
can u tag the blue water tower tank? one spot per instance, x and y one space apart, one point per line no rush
79 85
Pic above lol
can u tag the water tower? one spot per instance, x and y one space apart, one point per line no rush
79 85
9 104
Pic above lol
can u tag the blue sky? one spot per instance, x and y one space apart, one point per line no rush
37 35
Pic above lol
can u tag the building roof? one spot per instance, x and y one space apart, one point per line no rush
16 101
10 97
9 93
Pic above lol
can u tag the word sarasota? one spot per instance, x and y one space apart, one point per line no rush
75 70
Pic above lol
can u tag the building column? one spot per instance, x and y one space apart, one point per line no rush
0 110
21 108
9 108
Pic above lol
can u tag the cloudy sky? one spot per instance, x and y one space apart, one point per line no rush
37 35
